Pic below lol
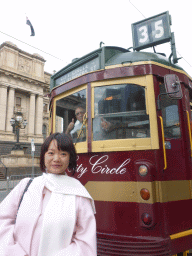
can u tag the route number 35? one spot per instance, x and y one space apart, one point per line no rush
152 31
157 32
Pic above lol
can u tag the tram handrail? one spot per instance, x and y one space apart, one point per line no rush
122 114
84 122
163 139
4 173
189 129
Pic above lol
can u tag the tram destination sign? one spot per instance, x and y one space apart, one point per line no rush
87 67
152 31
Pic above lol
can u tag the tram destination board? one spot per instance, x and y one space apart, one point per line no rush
89 66
152 31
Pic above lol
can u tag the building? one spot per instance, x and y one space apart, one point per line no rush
23 87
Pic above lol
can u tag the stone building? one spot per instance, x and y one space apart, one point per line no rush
23 87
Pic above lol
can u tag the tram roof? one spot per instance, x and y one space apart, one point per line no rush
102 57
130 57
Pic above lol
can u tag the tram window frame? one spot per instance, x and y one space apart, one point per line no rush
190 107
51 118
128 144
81 147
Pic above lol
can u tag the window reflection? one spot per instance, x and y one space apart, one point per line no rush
70 112
170 114
120 112
171 123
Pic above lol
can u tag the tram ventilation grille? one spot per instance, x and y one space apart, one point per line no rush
106 247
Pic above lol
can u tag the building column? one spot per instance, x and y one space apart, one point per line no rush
31 123
10 107
39 115
3 106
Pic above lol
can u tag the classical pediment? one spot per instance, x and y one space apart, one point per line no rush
17 61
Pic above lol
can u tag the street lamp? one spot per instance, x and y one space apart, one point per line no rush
18 122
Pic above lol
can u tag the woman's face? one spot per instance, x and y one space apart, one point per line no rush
56 161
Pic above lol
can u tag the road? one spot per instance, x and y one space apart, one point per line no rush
3 189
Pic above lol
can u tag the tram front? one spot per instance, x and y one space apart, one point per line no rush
134 154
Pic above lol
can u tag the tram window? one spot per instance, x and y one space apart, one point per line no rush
69 115
120 112
170 116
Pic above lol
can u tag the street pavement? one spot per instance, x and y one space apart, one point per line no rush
3 194
4 189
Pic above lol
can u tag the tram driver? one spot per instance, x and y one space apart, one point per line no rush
118 124
76 129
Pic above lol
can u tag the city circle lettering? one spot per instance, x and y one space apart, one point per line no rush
99 166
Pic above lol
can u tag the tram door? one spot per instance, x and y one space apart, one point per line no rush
178 156
173 138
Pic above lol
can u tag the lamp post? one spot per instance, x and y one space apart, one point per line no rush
18 122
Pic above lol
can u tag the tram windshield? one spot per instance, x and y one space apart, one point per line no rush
120 112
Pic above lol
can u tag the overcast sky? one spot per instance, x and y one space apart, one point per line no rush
71 29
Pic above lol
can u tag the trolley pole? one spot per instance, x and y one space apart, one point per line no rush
32 155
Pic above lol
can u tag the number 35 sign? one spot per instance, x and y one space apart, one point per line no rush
152 31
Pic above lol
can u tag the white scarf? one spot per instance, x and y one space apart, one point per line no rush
60 214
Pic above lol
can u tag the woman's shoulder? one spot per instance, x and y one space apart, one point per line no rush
26 180
34 182
22 183
73 180
83 200
84 204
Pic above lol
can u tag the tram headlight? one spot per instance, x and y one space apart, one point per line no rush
143 170
145 194
146 218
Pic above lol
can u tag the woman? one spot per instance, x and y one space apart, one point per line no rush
56 215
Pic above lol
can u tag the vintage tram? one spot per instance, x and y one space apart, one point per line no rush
134 144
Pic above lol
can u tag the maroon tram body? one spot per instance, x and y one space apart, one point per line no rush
141 183
134 144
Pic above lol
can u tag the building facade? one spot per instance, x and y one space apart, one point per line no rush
24 87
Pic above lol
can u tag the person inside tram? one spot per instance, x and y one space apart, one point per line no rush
137 103
77 129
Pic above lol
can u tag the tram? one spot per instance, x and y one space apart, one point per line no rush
134 144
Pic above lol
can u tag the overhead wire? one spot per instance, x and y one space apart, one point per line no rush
63 60
137 9
32 46
185 59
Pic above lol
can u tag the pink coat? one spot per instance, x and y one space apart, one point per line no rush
20 239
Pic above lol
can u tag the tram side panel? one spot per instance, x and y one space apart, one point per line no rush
175 188
113 179
120 207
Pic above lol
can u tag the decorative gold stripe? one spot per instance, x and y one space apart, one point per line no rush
122 191
184 253
174 190
94 71
113 191
130 64
54 114
181 234
190 187
145 63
